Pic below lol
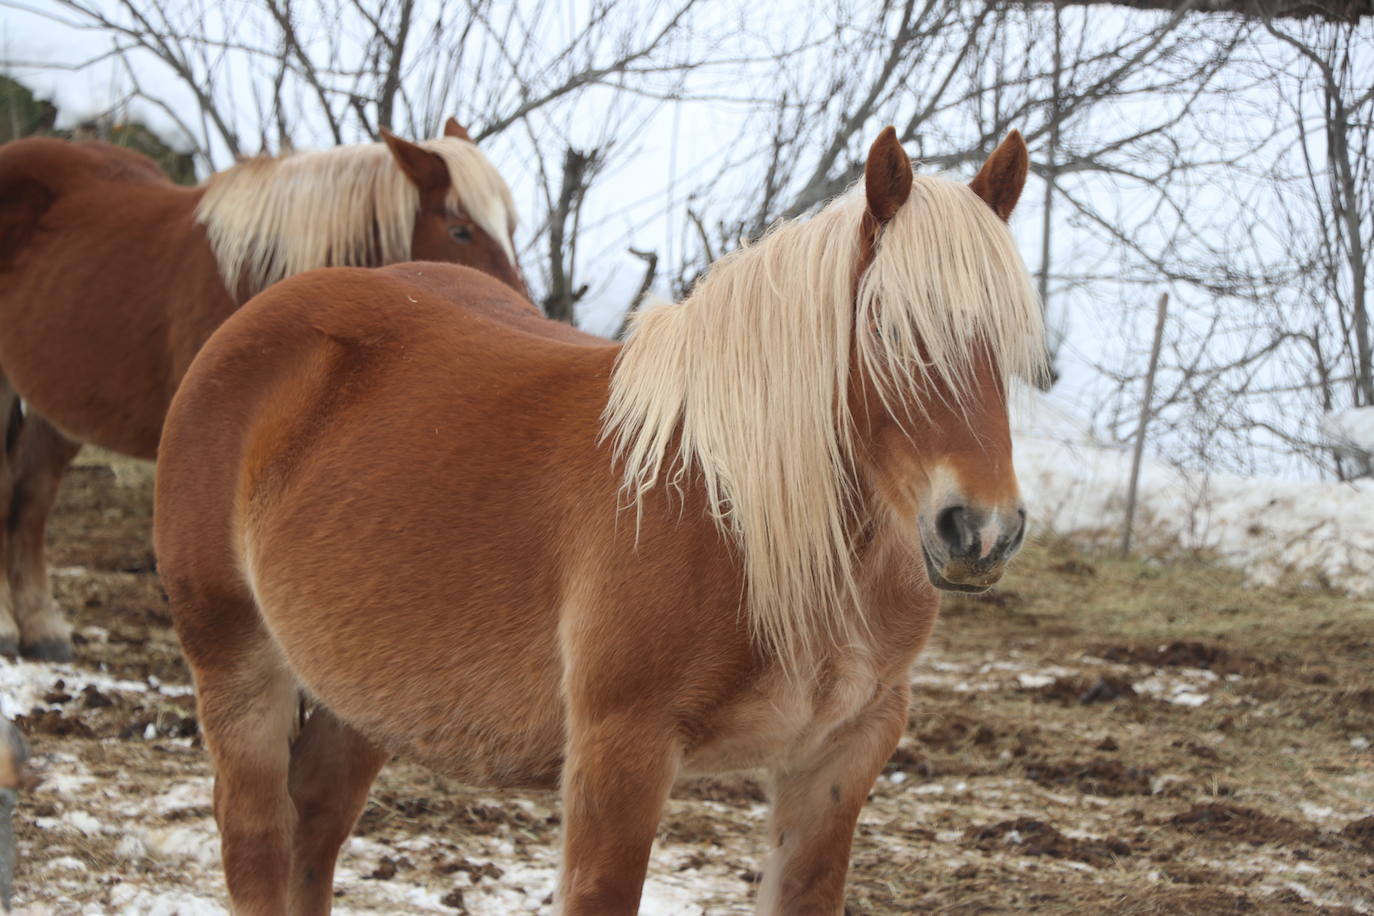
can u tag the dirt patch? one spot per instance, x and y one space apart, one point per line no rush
1099 776
1361 833
1030 837
1076 568
1218 820
56 723
731 789
1183 654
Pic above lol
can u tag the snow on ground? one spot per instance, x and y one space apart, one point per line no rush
25 685
1274 530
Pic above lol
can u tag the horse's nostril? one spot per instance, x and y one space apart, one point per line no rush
953 527
1020 534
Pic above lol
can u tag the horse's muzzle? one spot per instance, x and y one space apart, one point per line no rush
967 549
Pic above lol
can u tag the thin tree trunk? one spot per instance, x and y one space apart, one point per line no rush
1140 429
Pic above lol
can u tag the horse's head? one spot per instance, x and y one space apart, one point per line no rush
446 228
944 314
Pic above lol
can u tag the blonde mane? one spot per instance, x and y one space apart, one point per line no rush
749 375
268 218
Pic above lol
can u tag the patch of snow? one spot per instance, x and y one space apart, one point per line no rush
65 782
94 634
67 863
131 846
662 900
83 823
23 684
190 793
131 900
1316 812
193 841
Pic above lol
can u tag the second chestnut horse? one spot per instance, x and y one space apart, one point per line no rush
111 278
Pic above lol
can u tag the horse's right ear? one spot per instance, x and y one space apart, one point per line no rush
1000 180
887 176
453 129
426 170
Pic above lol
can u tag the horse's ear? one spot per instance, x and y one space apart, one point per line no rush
1001 178
887 176
453 129
426 170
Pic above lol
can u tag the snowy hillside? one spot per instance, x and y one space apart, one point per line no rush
1275 530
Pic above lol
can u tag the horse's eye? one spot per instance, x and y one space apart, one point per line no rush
460 233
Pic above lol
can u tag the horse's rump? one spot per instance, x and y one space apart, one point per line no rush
336 397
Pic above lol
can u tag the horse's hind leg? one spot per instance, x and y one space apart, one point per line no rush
248 704
39 457
10 419
332 768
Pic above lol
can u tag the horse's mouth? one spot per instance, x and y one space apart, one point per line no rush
938 580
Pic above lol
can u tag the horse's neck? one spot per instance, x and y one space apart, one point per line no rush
897 605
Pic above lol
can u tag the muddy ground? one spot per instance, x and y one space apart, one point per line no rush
1098 736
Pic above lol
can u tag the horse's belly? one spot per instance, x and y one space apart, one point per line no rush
474 696
502 736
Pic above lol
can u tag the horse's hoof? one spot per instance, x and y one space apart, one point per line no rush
9 648
52 650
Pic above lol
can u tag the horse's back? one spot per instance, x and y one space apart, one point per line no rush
58 163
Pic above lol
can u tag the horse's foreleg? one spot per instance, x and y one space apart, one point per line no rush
616 778
40 456
815 808
332 768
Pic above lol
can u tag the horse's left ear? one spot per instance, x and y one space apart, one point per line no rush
1001 178
426 170
453 129
887 176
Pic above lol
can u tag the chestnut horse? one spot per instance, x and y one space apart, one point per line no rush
111 278
530 557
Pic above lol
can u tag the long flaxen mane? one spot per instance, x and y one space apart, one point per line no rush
749 376
268 218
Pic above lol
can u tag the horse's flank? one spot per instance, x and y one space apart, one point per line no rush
743 388
268 218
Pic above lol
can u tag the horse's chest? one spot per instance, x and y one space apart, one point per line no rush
779 721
